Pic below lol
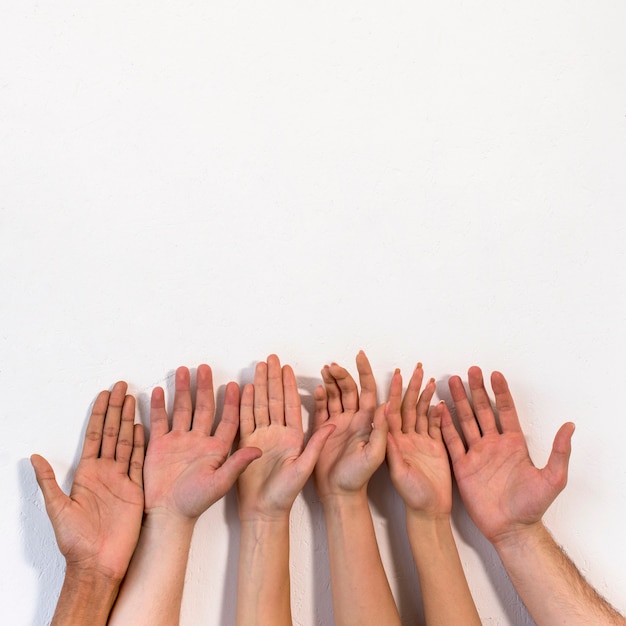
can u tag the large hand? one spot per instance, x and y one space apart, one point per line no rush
417 457
356 448
502 490
271 419
187 469
97 526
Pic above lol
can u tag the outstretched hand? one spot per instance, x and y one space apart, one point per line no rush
417 457
97 525
501 488
271 420
187 468
356 448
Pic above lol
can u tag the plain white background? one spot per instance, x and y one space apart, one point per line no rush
186 182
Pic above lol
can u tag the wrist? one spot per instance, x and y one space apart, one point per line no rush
520 538
344 501
164 520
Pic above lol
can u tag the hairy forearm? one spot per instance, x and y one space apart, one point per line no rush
446 595
85 598
153 588
361 592
263 591
549 584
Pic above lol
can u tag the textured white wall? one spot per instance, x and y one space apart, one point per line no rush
187 182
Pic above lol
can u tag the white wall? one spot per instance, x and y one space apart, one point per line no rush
186 182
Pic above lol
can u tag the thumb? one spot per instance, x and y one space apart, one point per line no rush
556 468
235 464
52 494
378 436
307 460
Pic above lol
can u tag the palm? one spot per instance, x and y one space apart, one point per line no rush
422 475
182 472
102 497
500 486
272 481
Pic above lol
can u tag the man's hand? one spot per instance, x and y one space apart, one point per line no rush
356 448
271 420
187 468
417 457
97 525
502 490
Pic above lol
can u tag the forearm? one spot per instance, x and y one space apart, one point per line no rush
360 589
263 589
446 595
549 584
85 598
153 588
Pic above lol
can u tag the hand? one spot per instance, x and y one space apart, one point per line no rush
97 526
187 469
356 448
502 490
417 457
271 420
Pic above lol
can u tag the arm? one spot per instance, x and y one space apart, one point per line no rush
271 420
187 469
420 471
352 453
506 496
97 525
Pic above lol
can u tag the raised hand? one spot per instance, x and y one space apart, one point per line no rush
271 420
356 448
97 525
501 488
187 468
416 455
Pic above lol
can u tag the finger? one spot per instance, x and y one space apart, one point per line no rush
307 460
451 436
205 400
423 405
468 423
181 414
275 390
93 433
394 404
226 430
53 497
558 462
321 407
334 397
124 448
261 409
246 416
226 476
394 455
367 397
293 404
434 421
509 421
135 471
159 424
482 404
111 428
409 403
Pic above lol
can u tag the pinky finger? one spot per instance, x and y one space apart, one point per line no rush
451 436
135 471
321 406
434 421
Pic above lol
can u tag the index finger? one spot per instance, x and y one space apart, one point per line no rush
93 434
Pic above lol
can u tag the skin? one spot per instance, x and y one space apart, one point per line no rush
353 452
271 420
507 496
97 525
187 469
420 471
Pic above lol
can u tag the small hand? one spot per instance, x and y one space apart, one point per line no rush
271 420
187 469
417 457
502 490
97 526
356 448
